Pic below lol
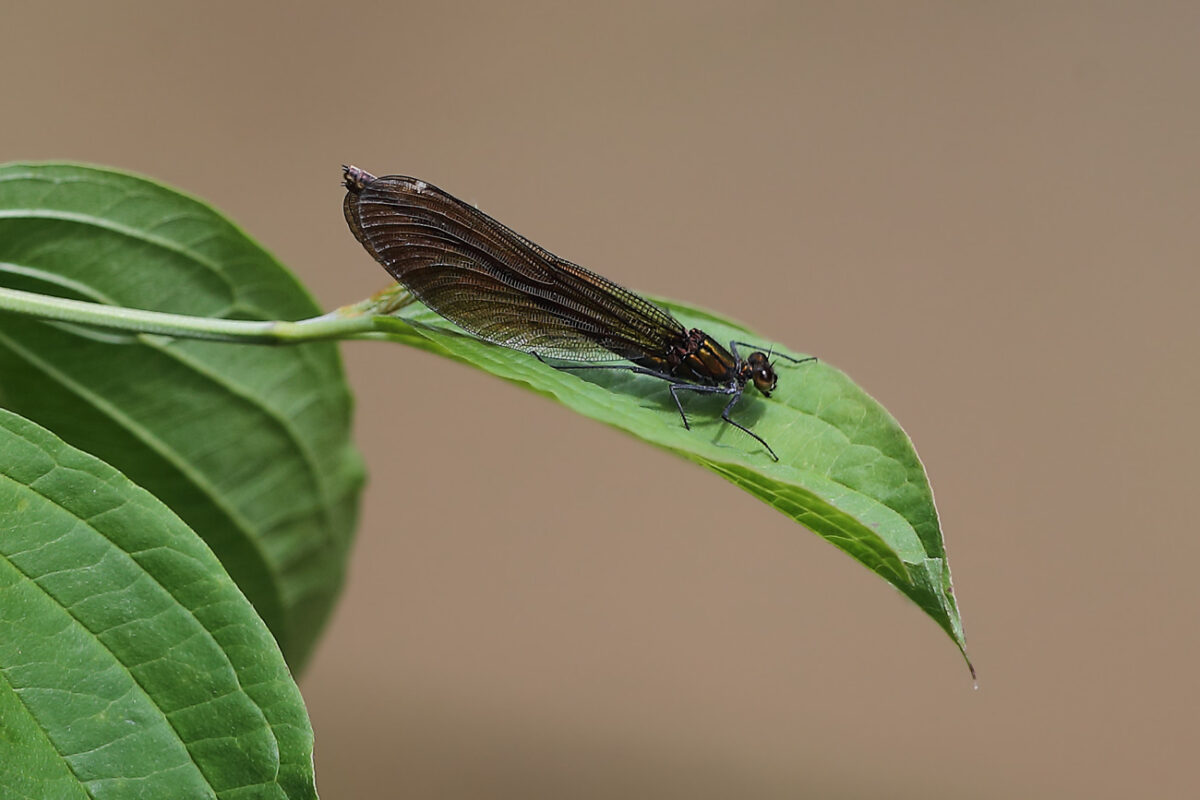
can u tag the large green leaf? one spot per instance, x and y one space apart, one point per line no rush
130 664
250 445
847 470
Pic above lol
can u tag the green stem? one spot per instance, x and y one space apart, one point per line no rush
341 324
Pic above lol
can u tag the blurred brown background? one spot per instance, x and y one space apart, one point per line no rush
987 214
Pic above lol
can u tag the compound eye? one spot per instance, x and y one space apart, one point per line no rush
765 380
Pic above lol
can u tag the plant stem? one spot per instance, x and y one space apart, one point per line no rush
340 324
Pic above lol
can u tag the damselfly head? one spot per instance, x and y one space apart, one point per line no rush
758 369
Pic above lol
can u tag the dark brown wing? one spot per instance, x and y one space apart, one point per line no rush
495 283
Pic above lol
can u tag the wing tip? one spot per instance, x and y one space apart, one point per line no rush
355 179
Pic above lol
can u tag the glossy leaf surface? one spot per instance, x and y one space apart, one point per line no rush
130 664
250 445
847 470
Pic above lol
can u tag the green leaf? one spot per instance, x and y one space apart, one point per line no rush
250 445
847 471
130 664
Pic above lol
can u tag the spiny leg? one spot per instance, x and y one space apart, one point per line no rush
725 416
759 347
678 385
700 388
736 391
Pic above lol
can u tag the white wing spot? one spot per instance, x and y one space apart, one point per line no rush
420 186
